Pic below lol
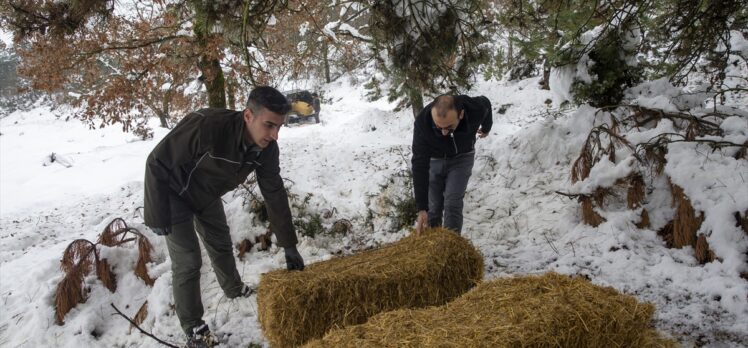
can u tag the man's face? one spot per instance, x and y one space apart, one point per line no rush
263 126
448 124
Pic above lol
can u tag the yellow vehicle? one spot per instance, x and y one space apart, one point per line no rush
302 106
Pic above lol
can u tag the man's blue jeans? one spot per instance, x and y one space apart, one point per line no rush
448 179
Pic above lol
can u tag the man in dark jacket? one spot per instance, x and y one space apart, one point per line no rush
444 138
209 153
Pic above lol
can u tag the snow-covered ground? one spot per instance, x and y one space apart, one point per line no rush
511 214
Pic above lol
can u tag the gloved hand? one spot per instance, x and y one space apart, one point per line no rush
161 231
293 259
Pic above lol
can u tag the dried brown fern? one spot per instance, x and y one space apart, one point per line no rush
666 232
114 229
244 247
644 219
116 234
265 240
703 253
593 149
635 197
601 193
105 274
341 227
144 257
580 170
685 223
69 293
79 259
139 316
636 191
743 152
589 216
82 256
77 255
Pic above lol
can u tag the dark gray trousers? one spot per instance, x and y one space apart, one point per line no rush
448 179
184 251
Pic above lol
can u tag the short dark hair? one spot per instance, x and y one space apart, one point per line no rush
269 98
443 104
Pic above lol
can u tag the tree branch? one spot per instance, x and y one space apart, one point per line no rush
140 329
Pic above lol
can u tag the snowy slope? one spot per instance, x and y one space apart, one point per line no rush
512 215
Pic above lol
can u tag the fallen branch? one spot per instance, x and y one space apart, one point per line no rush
132 322
571 195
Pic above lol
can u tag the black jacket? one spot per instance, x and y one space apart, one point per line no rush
428 141
205 156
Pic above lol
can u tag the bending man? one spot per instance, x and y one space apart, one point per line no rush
209 153
444 138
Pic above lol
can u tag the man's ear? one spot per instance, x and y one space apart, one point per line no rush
248 115
462 114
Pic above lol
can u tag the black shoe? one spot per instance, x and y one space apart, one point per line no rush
201 338
246 291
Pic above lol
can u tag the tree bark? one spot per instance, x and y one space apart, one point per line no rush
416 100
545 82
325 50
208 62
231 93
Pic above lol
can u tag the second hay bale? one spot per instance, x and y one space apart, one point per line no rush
533 311
417 271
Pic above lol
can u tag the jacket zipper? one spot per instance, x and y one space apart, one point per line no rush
452 135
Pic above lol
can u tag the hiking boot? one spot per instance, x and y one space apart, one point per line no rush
201 338
246 291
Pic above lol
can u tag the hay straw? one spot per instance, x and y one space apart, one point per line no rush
551 310
416 271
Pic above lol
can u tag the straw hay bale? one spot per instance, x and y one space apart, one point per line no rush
551 310
416 271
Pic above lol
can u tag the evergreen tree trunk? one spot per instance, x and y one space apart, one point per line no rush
163 115
545 81
164 120
231 93
325 50
213 80
208 63
416 100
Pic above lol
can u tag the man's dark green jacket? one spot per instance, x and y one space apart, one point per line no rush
205 156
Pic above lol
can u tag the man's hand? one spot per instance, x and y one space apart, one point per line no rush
294 262
481 134
161 231
422 221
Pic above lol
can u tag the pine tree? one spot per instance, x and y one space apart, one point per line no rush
427 46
